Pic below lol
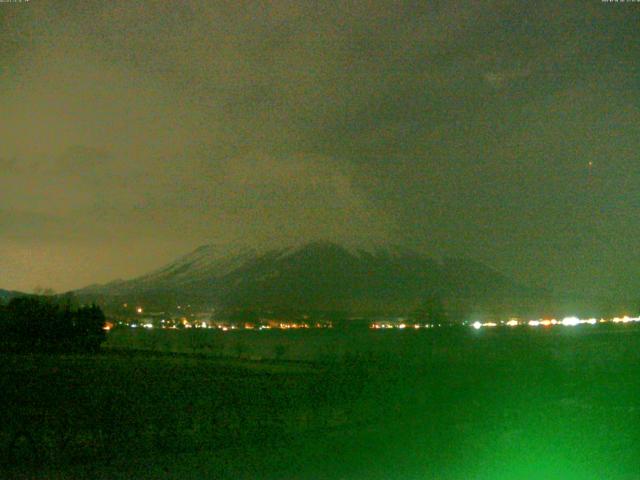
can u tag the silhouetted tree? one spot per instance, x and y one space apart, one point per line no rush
38 323
43 291
88 325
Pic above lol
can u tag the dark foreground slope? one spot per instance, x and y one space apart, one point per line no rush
482 405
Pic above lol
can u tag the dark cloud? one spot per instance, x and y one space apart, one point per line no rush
133 132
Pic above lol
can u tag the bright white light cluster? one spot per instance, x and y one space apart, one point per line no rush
547 322
570 321
401 326
478 325
625 319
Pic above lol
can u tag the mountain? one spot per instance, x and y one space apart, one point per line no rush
322 277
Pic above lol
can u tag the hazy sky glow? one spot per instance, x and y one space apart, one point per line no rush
132 132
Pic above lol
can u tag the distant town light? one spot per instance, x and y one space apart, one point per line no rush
534 323
139 309
477 325
570 321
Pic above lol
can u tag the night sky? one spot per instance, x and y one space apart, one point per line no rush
132 132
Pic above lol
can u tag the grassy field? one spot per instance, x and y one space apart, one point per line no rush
453 404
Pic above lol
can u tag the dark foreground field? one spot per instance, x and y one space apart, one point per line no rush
451 404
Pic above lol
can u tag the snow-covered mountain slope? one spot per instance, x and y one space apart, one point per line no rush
318 276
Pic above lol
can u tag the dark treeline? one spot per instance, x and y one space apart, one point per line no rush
50 324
